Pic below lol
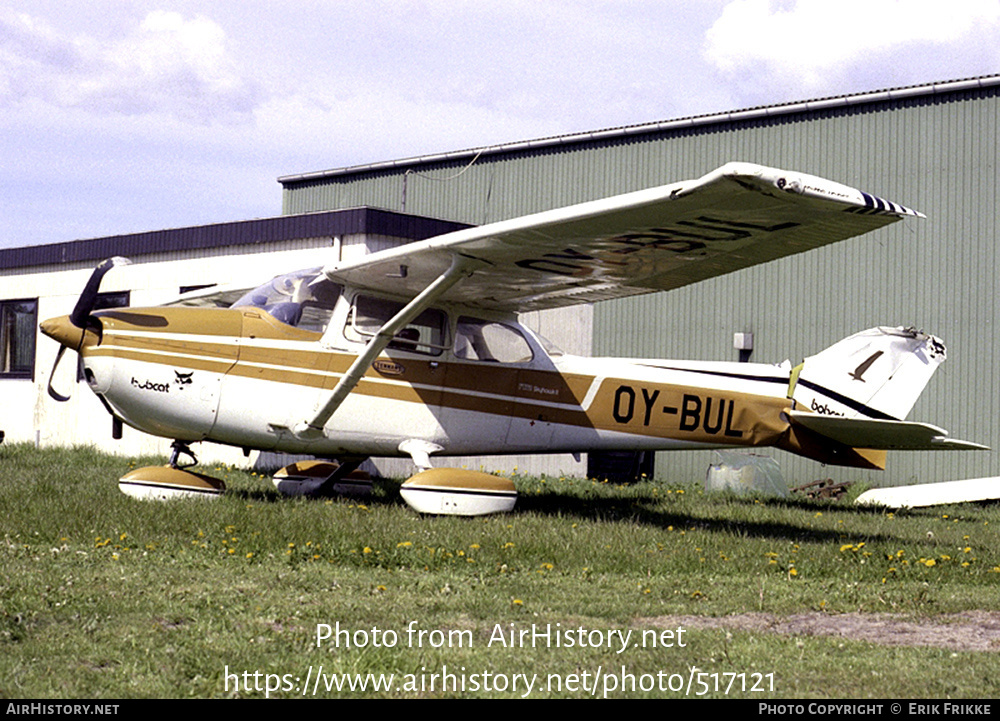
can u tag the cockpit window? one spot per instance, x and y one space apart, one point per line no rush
486 340
427 333
304 299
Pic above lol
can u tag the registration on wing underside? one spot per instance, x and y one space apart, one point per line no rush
658 239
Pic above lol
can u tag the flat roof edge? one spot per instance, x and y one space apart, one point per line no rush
344 221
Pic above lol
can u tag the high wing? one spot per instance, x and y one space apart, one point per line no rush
656 239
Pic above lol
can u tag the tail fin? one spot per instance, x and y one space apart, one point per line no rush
878 373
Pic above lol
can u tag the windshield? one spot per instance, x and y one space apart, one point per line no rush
304 299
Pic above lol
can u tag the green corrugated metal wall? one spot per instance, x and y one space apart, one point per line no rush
936 152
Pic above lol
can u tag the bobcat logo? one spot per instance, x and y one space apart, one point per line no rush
183 379
864 366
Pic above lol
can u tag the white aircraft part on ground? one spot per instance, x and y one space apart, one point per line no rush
933 494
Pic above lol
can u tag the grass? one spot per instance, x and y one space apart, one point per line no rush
102 596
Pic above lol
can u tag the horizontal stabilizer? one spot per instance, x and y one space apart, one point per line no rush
933 494
882 435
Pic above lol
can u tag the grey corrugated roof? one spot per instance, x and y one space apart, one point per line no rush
373 221
764 111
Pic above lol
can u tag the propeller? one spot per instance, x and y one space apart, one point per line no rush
71 330
53 393
81 313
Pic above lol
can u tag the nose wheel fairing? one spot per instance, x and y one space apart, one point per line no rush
162 483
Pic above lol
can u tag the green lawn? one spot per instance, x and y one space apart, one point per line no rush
102 596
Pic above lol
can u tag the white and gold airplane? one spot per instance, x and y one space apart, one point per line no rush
417 351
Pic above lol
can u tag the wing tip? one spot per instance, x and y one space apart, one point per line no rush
811 185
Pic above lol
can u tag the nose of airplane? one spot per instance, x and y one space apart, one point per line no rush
63 331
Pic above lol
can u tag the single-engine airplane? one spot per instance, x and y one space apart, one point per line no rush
417 350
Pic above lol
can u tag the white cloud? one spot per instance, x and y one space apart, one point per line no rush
167 65
811 44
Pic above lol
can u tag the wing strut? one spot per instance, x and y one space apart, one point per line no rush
461 267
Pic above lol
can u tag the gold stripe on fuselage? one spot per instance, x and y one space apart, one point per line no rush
250 344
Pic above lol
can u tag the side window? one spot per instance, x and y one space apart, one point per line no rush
426 334
18 321
486 340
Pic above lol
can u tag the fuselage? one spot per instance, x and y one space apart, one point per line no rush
479 384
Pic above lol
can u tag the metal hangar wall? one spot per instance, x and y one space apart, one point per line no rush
931 147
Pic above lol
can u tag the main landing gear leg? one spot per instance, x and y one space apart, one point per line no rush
347 466
324 478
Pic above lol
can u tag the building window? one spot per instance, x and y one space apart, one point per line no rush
18 322
121 299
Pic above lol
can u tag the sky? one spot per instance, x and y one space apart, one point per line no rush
119 116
